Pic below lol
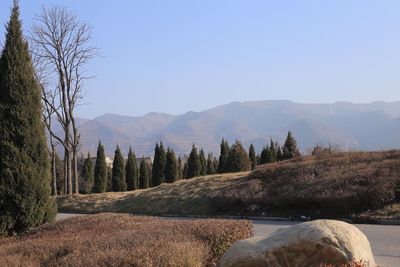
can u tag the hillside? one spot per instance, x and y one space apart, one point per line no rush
321 186
331 185
194 196
371 126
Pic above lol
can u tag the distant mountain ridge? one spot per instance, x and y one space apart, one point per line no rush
372 126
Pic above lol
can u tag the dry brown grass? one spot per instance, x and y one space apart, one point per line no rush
351 264
337 184
123 240
193 196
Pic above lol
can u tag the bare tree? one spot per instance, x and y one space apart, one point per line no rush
49 109
61 45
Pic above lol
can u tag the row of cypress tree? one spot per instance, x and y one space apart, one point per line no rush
274 152
122 176
166 168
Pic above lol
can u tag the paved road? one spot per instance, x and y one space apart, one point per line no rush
384 239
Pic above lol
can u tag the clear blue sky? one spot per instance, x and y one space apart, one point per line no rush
175 56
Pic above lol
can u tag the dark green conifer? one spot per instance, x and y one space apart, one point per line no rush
100 171
143 175
87 173
238 158
171 166
158 170
223 158
210 164
273 151
203 162
131 171
118 172
265 155
194 164
290 149
279 153
252 156
24 163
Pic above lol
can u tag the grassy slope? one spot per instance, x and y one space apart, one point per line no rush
334 185
194 196
324 186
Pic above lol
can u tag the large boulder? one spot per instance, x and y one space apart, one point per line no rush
306 244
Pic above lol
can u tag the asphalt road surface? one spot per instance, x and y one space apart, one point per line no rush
384 239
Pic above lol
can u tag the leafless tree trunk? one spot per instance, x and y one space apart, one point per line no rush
48 99
62 46
53 173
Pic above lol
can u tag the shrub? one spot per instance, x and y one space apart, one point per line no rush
123 240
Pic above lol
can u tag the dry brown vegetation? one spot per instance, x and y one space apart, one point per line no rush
193 196
324 185
333 185
351 264
123 240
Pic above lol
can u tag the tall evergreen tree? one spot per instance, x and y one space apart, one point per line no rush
290 149
279 153
194 164
131 171
265 155
203 162
100 171
252 156
273 151
118 172
210 164
24 164
158 170
171 167
87 173
238 158
143 175
223 158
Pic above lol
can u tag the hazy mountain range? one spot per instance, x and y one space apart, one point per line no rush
372 126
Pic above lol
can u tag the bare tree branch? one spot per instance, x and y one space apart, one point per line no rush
61 48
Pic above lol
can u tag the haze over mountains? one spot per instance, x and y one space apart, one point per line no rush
373 126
